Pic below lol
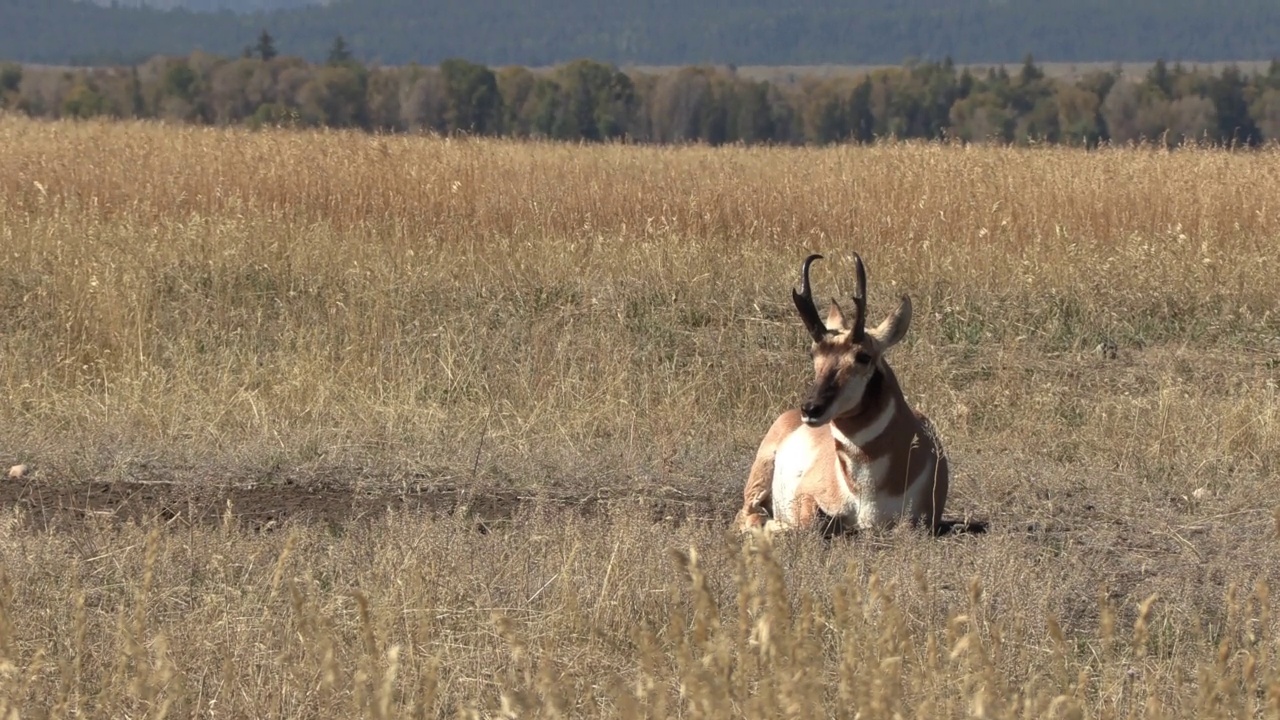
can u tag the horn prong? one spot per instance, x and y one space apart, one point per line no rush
860 299
804 302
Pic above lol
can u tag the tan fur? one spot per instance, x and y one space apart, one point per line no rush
855 465
757 501
909 447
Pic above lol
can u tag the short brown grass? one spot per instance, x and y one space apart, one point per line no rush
205 307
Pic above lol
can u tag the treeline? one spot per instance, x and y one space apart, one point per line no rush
591 101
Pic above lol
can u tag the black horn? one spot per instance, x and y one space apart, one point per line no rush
860 301
804 303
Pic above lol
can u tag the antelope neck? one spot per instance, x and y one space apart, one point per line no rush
867 422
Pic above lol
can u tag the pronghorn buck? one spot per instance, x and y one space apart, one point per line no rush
854 455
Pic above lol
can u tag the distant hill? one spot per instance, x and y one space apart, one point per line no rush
662 32
238 6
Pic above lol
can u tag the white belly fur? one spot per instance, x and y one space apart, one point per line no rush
881 511
794 458
796 455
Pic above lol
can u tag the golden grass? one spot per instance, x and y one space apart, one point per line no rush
211 307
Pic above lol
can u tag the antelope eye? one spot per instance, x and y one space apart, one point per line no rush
862 358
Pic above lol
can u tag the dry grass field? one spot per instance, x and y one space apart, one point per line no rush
332 425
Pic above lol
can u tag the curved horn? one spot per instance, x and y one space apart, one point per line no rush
860 300
804 303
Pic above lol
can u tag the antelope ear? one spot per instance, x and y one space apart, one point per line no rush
835 316
894 328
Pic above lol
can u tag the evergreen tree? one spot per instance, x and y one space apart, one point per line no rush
135 95
1235 125
266 46
338 53
10 77
862 120
1029 73
1158 77
10 82
473 103
752 114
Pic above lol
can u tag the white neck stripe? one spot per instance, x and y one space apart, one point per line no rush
866 435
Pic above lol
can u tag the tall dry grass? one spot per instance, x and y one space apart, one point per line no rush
209 306
595 618
220 297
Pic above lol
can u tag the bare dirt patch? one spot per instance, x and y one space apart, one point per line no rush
327 502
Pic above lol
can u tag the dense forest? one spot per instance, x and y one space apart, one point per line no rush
588 101
663 32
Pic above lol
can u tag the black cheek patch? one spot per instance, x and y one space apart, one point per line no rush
875 385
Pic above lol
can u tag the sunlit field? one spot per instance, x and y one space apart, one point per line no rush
337 425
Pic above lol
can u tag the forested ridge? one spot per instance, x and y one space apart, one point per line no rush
239 6
661 32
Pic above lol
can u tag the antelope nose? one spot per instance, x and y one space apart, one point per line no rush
810 410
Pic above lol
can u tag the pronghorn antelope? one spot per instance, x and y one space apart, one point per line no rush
854 454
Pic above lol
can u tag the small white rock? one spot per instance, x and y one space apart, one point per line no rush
17 472
1200 493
